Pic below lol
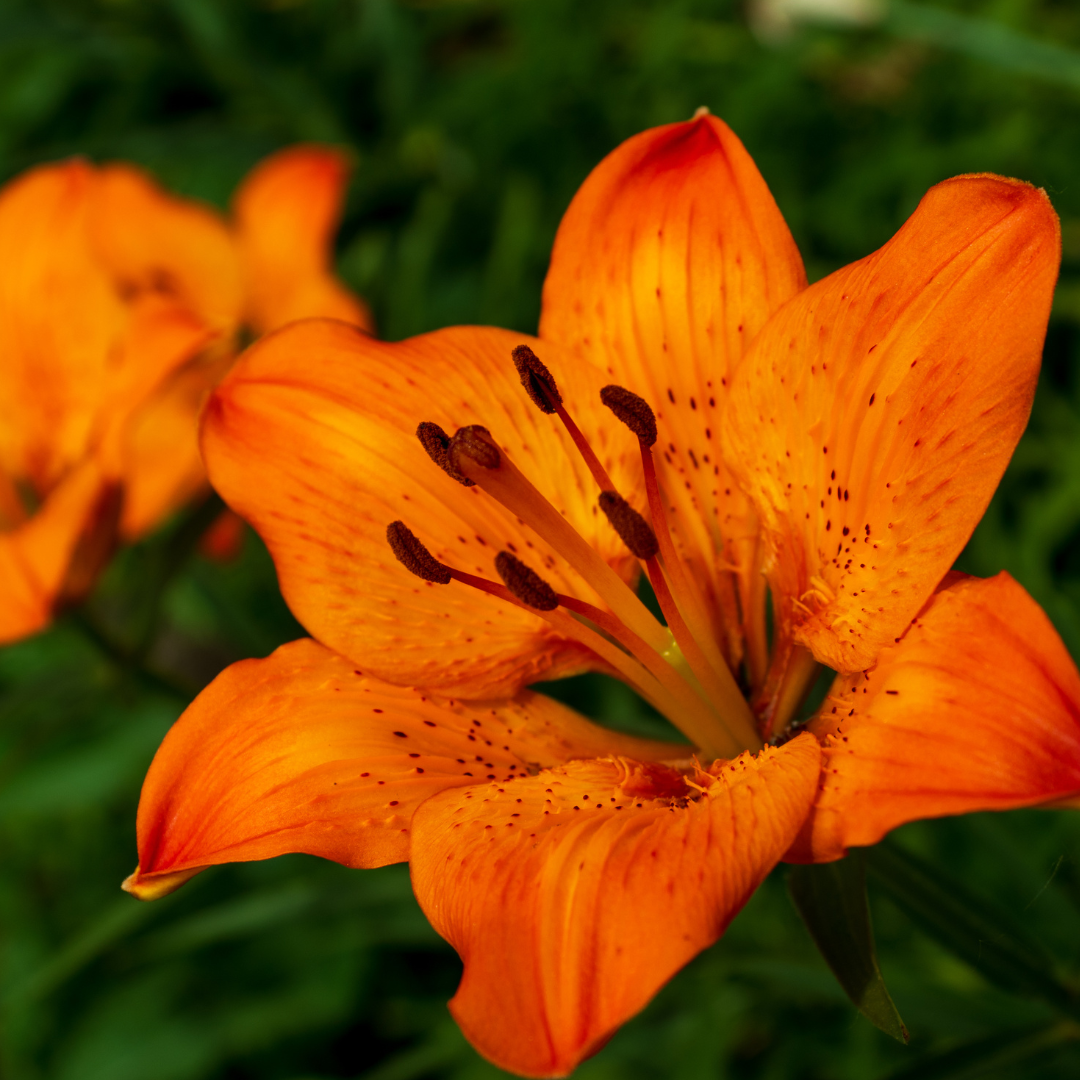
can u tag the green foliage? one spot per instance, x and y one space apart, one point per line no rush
473 122
831 898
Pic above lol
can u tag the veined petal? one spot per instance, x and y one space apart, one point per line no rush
153 242
668 262
976 708
60 318
311 438
302 752
875 414
574 895
54 556
287 211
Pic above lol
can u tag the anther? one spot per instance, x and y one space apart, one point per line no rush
636 533
437 444
538 381
475 443
527 585
635 412
414 556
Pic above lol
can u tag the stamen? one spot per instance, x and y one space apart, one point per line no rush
540 385
629 667
641 667
667 665
635 412
680 604
526 584
634 531
735 708
470 451
694 718
716 687
412 554
475 444
437 444
538 381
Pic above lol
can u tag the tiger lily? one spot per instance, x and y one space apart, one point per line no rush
690 406
119 308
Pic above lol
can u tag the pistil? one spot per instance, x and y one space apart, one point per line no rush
791 676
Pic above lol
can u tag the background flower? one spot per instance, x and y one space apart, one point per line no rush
121 307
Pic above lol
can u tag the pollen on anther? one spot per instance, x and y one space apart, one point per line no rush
635 412
412 554
634 531
474 442
538 381
527 585
436 443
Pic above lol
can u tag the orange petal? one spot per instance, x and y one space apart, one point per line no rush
60 318
160 337
876 412
668 262
977 708
287 211
156 243
163 469
311 438
574 895
55 555
301 752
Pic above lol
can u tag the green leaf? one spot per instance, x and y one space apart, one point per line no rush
1000 1051
831 898
968 927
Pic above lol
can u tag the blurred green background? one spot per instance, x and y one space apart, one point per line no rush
473 122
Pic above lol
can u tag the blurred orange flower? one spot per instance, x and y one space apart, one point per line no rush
834 444
120 307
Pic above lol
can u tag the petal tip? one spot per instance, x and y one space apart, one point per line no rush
154 886
989 191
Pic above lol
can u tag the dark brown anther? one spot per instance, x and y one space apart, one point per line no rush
437 444
633 411
538 381
636 533
473 442
527 585
414 556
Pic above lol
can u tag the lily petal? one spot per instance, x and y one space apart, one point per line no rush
574 895
161 337
287 211
976 708
153 242
311 438
163 469
60 318
668 262
875 414
53 556
302 752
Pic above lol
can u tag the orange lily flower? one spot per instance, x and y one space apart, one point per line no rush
119 306
574 869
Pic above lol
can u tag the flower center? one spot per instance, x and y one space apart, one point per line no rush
679 667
